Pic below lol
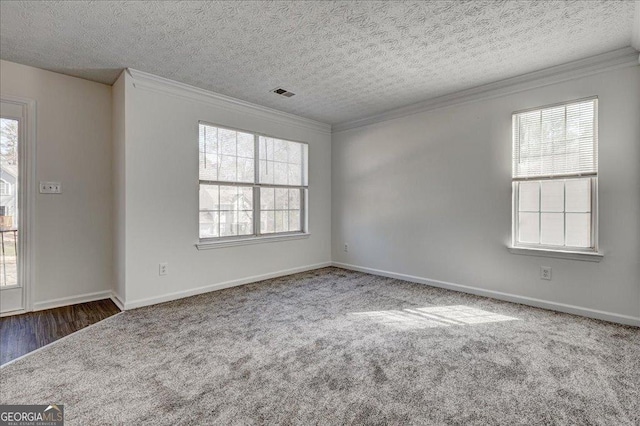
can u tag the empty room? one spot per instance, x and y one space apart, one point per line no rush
320 212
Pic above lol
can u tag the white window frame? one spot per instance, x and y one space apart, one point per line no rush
567 252
257 236
5 187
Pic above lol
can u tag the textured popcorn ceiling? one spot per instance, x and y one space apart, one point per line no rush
344 60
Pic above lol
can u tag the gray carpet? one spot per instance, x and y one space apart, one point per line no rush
337 347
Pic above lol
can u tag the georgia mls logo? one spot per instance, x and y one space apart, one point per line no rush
32 415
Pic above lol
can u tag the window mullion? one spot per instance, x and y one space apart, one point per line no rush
256 188
303 209
564 207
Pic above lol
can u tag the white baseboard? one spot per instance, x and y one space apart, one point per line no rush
213 287
117 299
538 303
73 300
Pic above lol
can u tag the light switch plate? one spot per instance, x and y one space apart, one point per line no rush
50 188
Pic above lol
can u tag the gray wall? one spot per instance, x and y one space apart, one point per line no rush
160 190
73 230
429 195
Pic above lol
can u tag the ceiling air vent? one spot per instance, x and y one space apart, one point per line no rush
283 92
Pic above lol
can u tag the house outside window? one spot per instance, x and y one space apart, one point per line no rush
5 187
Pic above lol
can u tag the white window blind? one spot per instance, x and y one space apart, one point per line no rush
556 141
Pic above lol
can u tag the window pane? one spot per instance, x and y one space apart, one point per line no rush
282 221
208 148
209 222
246 145
227 141
295 174
228 198
245 169
245 198
227 171
578 195
529 196
209 197
282 198
578 229
266 172
282 162
245 222
295 153
305 164
552 229
294 221
529 228
294 199
280 174
267 222
280 151
225 210
226 155
552 196
228 223
280 210
267 199
265 148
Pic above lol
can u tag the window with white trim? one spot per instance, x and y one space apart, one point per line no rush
555 177
251 185
5 187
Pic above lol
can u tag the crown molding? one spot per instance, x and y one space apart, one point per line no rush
619 58
146 81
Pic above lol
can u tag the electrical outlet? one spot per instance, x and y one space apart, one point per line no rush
50 188
163 268
545 273
346 248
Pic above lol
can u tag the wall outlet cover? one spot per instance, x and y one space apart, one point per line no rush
545 273
50 188
163 268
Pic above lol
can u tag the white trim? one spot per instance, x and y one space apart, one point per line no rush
57 341
538 303
117 299
558 254
72 300
146 81
27 203
15 312
219 286
615 59
208 245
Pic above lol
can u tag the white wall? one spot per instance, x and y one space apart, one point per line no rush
118 112
73 230
161 180
429 195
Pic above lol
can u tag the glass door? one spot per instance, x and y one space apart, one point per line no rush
11 286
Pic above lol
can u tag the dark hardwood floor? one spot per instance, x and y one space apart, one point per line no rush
21 334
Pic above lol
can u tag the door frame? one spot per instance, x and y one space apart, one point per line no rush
26 198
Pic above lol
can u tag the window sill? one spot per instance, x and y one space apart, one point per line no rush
208 245
572 255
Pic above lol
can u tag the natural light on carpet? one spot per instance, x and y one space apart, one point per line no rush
438 316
